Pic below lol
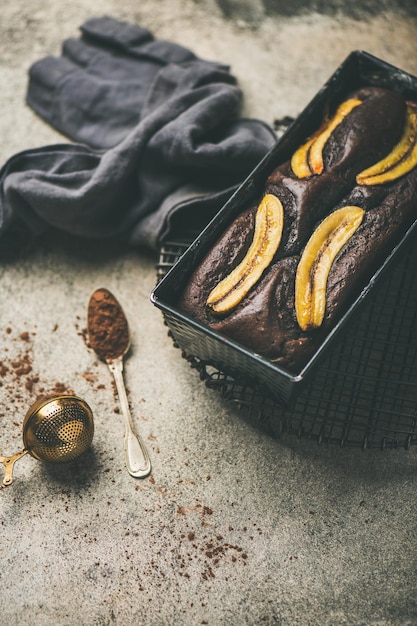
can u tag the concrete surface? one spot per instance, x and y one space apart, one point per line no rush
233 526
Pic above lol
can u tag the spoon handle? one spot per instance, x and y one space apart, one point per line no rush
137 458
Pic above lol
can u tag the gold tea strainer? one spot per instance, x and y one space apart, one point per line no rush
55 429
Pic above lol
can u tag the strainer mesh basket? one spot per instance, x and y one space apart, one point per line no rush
63 434
365 393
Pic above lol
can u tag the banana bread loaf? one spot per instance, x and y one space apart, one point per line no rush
286 268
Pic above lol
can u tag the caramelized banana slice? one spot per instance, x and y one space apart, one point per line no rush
401 159
308 158
299 160
233 288
315 157
316 261
401 168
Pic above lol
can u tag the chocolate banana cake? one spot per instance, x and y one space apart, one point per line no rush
287 268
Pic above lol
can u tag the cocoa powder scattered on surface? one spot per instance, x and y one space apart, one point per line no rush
61 389
18 380
108 331
203 548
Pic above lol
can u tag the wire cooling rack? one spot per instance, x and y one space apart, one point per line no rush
365 393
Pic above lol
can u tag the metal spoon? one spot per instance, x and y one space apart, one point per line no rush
108 335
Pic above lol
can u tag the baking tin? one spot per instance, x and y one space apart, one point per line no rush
364 394
196 340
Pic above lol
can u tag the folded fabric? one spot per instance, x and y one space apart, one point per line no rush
162 141
95 91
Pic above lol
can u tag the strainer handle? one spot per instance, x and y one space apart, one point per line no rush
8 462
136 455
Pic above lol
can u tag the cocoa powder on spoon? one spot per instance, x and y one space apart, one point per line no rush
108 330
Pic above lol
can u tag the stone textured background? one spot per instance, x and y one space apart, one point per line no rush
256 10
233 527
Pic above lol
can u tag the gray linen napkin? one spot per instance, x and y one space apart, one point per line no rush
160 140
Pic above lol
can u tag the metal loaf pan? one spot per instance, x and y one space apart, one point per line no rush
196 340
